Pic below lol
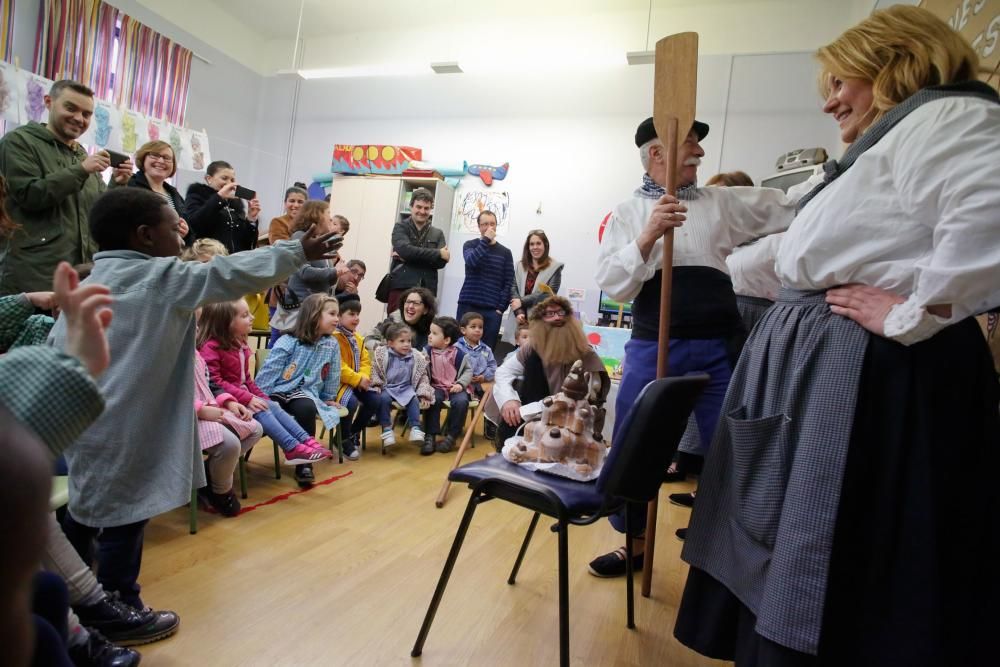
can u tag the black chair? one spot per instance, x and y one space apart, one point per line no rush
632 473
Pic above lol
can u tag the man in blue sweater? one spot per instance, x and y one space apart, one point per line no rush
489 274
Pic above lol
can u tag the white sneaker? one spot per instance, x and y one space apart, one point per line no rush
388 438
416 434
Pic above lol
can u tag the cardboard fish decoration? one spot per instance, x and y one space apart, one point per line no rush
488 173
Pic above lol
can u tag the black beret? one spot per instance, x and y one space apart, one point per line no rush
647 132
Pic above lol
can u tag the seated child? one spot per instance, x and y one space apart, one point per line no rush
450 373
141 457
400 374
302 373
222 342
523 336
480 356
355 374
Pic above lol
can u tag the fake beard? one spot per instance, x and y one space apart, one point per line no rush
558 344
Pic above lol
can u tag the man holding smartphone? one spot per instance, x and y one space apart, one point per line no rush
52 183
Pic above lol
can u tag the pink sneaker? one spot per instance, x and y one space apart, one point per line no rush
314 443
302 453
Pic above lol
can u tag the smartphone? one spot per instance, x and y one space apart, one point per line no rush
245 193
117 158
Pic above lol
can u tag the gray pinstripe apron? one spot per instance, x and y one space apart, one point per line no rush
768 496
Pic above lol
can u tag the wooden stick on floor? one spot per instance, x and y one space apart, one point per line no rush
443 495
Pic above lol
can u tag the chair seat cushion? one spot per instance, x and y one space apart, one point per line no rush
538 490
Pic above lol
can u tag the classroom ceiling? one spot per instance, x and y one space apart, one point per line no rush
334 33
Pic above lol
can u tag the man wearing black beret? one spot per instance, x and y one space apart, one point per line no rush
706 330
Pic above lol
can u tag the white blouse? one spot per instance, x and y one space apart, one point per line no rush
918 214
752 268
718 220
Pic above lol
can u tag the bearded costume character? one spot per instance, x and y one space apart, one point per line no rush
539 369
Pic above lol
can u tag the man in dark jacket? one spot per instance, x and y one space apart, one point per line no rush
418 249
52 183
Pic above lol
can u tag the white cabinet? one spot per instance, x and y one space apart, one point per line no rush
373 204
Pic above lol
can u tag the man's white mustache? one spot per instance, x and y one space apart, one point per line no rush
692 162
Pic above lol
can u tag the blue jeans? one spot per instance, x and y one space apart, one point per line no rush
366 403
688 356
456 414
281 426
385 409
491 321
119 555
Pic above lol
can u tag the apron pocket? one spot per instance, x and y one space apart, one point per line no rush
759 472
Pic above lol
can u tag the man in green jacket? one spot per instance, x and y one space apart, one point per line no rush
52 183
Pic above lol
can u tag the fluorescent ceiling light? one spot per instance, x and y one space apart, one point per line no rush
361 71
640 57
450 67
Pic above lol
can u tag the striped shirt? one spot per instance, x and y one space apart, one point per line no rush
489 273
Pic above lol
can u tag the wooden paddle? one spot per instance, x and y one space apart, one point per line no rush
443 494
674 97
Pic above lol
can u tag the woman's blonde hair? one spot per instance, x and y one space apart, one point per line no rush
203 250
899 50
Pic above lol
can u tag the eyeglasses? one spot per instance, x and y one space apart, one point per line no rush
358 272
162 158
413 303
551 314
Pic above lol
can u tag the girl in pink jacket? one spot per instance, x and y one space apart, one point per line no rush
222 342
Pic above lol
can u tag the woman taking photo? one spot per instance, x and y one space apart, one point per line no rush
847 512
213 211
418 308
155 161
536 268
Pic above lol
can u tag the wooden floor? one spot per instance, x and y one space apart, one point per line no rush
342 575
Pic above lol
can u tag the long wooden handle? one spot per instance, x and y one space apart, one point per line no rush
663 351
443 494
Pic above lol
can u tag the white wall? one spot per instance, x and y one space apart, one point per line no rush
569 140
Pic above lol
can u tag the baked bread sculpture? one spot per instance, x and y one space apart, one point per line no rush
565 431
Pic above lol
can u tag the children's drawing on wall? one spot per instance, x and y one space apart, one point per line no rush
152 129
102 126
8 94
470 203
130 135
197 153
180 157
35 88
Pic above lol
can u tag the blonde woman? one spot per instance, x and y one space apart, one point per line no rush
155 162
847 513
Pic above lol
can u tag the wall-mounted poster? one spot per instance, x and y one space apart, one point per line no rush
104 132
200 154
31 92
133 128
10 108
470 203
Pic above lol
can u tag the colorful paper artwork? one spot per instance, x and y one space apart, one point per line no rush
373 158
199 151
470 203
488 173
10 108
130 132
609 342
152 128
32 90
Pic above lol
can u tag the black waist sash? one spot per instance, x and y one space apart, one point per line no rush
703 305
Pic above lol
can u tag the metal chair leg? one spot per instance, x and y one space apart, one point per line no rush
563 594
629 585
243 477
524 549
337 438
449 565
277 462
193 518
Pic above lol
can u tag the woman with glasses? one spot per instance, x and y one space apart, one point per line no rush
418 308
155 160
535 269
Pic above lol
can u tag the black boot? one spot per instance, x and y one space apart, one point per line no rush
99 652
126 625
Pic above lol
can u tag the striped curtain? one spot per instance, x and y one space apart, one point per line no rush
6 29
149 73
152 72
